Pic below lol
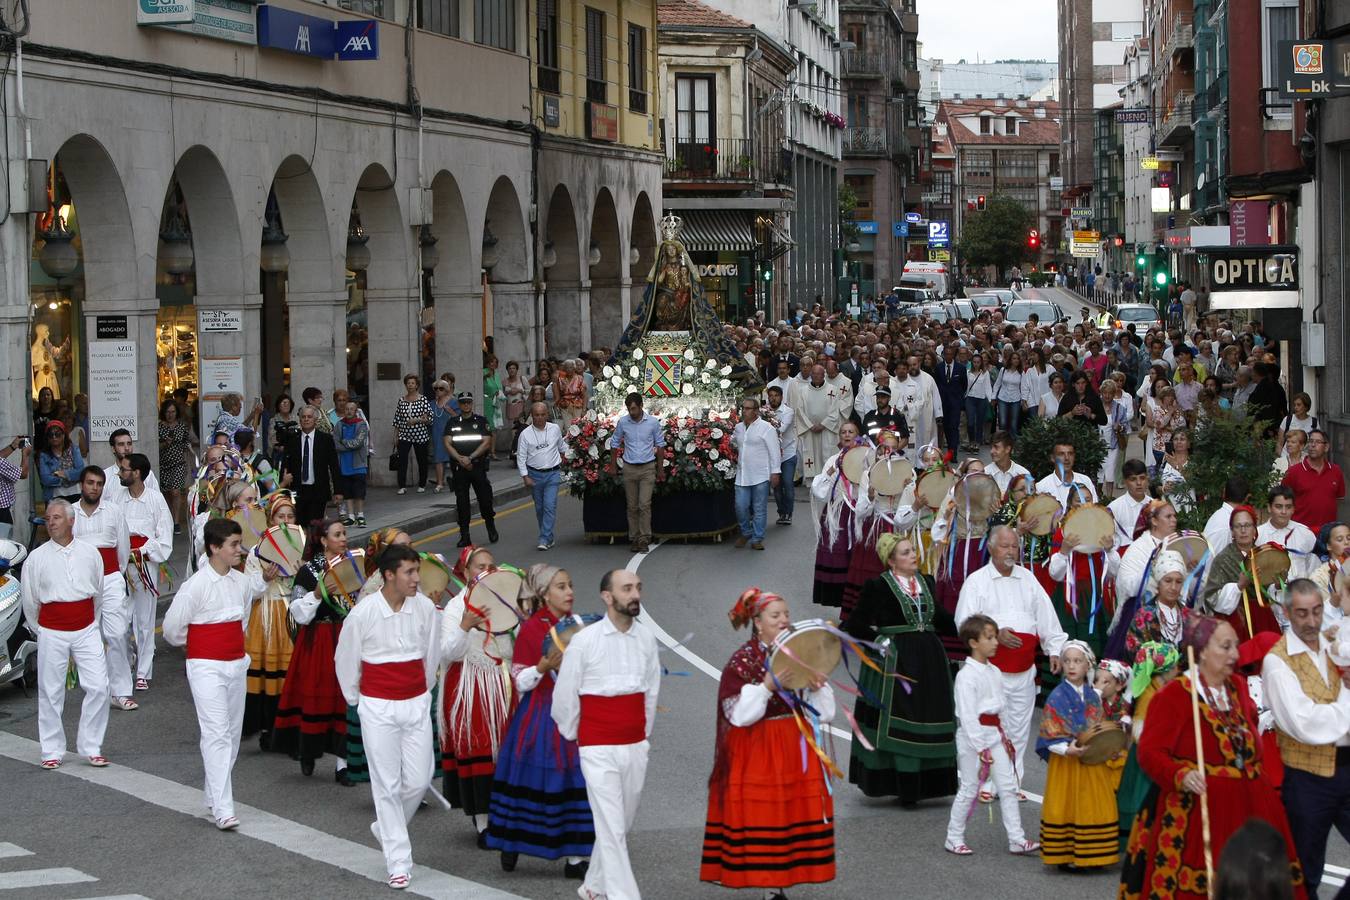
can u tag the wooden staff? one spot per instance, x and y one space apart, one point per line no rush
1200 767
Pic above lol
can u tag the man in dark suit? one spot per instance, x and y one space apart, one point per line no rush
310 468
951 384
1268 403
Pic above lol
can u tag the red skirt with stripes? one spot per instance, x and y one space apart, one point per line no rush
468 749
311 712
771 821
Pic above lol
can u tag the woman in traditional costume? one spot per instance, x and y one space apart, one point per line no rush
1166 851
267 639
1333 549
875 515
1157 522
1083 588
1155 664
1160 617
312 714
539 804
958 543
770 812
834 497
1230 590
913 737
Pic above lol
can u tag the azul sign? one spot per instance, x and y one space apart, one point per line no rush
293 32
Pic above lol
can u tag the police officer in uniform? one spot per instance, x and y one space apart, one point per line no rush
469 442
885 416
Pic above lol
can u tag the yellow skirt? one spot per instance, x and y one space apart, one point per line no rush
1115 768
1079 822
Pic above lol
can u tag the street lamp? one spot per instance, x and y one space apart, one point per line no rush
431 257
593 255
274 258
58 257
358 254
175 247
489 246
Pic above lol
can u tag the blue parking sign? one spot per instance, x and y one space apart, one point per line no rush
900 229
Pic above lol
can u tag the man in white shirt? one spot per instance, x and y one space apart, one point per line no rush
539 461
1293 536
758 468
1236 492
784 379
386 661
208 616
1125 509
62 586
1002 468
782 418
100 522
1310 701
122 447
605 700
150 531
1012 597
1063 479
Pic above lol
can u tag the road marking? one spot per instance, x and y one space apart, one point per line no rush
31 878
118 897
472 522
11 851
258 824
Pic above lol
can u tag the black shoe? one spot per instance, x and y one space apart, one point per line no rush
493 537
342 778
482 841
306 767
463 541
576 870
509 861
264 741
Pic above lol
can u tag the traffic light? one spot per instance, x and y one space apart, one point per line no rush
979 202
1033 239
1140 260
1162 269
767 274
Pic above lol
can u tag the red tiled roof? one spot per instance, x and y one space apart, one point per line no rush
691 12
1032 131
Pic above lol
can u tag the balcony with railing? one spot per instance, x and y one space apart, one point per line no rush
907 80
1216 95
725 160
1176 127
876 141
865 63
1181 36
909 22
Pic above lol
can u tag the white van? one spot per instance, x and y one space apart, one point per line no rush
934 275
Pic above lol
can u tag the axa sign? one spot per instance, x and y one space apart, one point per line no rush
349 39
358 39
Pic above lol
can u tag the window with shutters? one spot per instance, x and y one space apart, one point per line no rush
546 47
597 90
637 68
440 16
696 122
494 23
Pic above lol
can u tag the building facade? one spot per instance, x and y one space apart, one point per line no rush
269 215
942 79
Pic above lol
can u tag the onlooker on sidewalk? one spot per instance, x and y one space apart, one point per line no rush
539 460
639 435
310 468
758 464
281 426
10 475
1318 483
442 411
353 445
569 392
314 397
781 417
412 430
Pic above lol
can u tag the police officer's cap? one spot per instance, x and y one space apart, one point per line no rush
464 395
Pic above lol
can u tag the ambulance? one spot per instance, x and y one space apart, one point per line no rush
934 275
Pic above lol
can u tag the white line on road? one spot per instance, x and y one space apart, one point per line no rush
257 824
118 897
31 878
11 851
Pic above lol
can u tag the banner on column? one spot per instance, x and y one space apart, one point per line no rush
220 375
112 388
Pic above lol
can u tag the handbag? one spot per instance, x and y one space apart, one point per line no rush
393 461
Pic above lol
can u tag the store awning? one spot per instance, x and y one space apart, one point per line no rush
717 230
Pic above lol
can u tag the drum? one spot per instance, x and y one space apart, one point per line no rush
252 520
1093 524
1039 506
977 498
1101 742
804 652
561 635
933 486
1269 564
493 595
1191 545
854 463
283 546
343 577
890 476
435 575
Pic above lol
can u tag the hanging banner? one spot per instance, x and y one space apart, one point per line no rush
112 388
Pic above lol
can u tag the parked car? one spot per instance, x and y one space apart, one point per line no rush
1046 311
1141 315
1005 295
965 309
938 310
986 301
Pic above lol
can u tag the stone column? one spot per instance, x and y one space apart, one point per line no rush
609 302
569 317
318 341
516 324
140 315
392 353
459 335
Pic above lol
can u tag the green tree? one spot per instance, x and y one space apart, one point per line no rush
848 203
1224 445
1038 437
996 236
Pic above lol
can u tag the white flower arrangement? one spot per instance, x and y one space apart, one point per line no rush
574 430
717 432
683 434
724 383
616 381
631 389
713 454
705 378
594 452
608 371
710 363
637 353
690 447
688 388
689 354
726 370
634 371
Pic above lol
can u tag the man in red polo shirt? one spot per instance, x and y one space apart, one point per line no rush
1318 483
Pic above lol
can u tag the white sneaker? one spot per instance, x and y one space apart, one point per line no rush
402 491
542 546
229 823
421 490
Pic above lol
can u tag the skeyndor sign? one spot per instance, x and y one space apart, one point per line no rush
163 12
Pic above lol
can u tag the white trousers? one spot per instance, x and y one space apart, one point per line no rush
614 776
1019 702
143 603
218 694
115 618
54 650
397 738
968 768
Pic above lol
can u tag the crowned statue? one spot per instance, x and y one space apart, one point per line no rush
675 320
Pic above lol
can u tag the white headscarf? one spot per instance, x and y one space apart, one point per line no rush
1164 564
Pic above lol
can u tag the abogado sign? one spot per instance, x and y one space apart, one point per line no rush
1253 277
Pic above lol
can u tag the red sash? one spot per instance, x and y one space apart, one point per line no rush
71 616
138 541
991 719
395 680
1012 661
219 640
109 555
612 720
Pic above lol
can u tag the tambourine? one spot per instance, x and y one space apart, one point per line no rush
1094 526
1269 563
1039 506
343 577
434 576
492 595
284 547
933 486
1191 545
252 521
854 462
1102 742
890 476
977 498
803 653
561 635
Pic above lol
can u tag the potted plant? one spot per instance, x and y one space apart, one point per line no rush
742 167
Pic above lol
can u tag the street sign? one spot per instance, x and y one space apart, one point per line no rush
1253 277
1311 70
900 229
1163 156
1148 162
939 256
212 319
1085 244
938 234
1138 115
1056 183
913 218
1080 212
934 197
867 227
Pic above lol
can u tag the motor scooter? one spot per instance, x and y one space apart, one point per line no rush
18 650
